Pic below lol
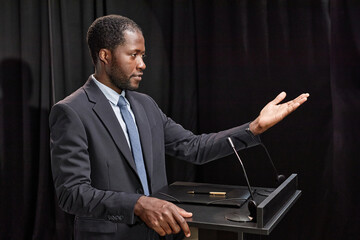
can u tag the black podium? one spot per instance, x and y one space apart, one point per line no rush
217 207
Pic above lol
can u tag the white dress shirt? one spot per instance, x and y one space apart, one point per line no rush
113 98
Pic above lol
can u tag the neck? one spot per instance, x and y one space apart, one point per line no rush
102 77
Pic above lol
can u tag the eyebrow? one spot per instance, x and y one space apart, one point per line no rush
137 50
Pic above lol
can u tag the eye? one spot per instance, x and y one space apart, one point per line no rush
143 56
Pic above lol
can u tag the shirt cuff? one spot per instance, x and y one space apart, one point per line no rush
256 138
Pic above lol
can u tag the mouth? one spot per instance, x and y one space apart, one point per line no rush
138 77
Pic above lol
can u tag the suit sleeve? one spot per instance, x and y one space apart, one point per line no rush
200 149
71 170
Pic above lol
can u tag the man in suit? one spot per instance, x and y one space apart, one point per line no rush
108 143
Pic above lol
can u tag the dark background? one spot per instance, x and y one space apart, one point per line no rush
211 65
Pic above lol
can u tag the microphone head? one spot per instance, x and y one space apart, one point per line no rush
252 209
280 178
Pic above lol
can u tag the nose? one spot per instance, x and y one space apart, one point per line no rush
141 64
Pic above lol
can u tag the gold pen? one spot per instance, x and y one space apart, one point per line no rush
208 193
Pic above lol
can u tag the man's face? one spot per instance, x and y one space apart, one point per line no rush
127 65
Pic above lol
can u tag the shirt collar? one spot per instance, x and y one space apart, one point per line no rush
109 93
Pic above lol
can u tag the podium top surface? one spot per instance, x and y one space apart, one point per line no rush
271 207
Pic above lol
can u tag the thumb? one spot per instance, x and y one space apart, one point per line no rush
279 98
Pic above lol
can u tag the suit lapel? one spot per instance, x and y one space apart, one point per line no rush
107 116
142 123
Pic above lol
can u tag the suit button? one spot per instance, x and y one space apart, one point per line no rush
139 191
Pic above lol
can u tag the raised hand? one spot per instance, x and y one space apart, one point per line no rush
162 216
274 112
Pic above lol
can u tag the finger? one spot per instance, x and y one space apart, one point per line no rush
279 98
158 228
170 220
183 212
175 226
302 98
183 224
294 104
165 226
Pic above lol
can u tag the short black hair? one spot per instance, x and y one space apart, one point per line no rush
108 32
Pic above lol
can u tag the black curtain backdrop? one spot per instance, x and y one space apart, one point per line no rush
211 65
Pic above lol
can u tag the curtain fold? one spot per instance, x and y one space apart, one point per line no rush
25 103
345 91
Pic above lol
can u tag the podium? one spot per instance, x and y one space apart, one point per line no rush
212 211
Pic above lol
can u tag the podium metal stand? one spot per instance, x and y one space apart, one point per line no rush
271 208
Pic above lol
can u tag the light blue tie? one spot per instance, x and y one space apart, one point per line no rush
135 143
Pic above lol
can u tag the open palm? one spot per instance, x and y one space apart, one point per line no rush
274 112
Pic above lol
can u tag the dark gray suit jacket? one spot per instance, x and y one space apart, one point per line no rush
93 169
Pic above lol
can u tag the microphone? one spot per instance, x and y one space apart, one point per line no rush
251 203
279 177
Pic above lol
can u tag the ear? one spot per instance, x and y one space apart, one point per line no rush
105 56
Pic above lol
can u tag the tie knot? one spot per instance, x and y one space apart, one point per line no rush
121 102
